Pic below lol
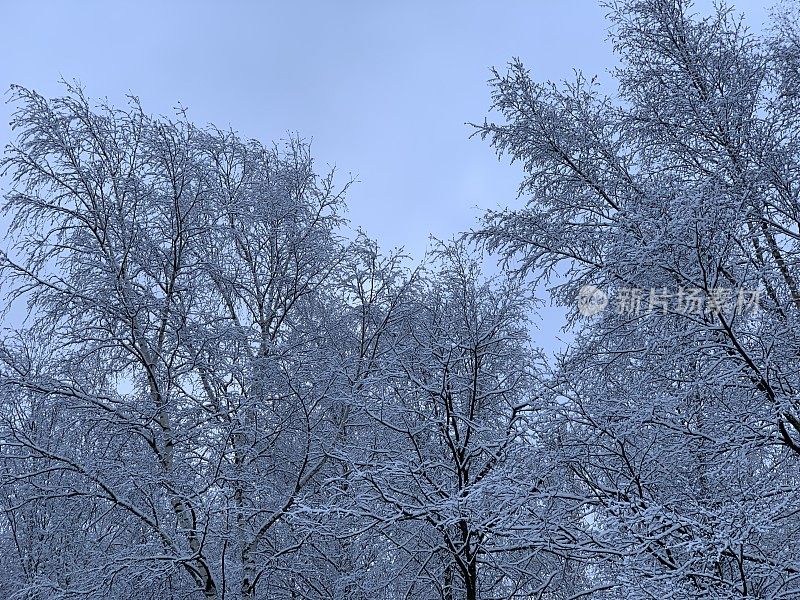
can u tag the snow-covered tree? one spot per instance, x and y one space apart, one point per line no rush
678 198
164 406
457 476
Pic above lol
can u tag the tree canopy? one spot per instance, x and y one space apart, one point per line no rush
220 391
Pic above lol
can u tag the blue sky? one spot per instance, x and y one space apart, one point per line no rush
383 88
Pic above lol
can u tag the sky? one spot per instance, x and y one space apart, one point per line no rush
383 89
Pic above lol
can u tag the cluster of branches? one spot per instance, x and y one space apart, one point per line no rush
218 393
680 428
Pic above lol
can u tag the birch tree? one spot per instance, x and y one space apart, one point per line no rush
677 197
174 278
458 478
